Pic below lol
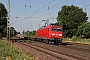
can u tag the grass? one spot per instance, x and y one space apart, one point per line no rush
9 52
78 40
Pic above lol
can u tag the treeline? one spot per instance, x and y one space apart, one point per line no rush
29 33
74 22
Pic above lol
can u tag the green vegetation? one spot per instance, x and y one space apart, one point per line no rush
76 28
7 51
13 32
84 30
71 17
29 33
77 40
3 20
74 38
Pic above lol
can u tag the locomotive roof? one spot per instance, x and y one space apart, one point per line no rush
47 26
44 26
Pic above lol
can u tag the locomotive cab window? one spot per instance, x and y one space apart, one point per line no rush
59 29
53 29
56 29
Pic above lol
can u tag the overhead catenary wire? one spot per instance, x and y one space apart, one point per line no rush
45 10
40 9
48 7
30 6
25 6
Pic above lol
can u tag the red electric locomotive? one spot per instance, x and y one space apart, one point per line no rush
50 33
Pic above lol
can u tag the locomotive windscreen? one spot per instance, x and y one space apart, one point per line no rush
56 29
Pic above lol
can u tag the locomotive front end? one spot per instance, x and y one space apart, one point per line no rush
57 34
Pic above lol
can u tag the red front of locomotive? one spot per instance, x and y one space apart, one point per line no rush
55 32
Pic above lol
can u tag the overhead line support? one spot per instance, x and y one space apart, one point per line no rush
8 21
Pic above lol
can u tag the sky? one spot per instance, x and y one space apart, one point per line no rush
30 13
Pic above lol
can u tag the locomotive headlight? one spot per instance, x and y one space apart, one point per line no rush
53 34
60 34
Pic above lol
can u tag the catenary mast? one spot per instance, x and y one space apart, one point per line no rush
8 21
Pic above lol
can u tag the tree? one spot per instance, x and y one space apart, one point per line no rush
13 32
70 17
3 19
33 33
23 32
29 33
84 30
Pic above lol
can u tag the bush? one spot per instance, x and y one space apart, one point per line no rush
8 52
84 30
74 38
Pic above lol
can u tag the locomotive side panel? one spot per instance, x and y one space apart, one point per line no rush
45 32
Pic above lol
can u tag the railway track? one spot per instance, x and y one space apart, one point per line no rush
59 54
69 50
43 50
53 53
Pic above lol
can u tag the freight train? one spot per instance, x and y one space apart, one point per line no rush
50 33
